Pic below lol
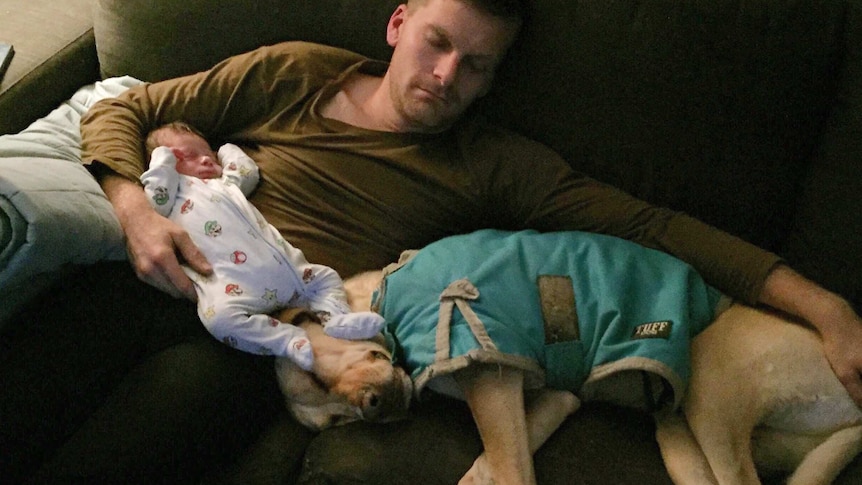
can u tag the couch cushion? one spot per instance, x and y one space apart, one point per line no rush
54 55
599 444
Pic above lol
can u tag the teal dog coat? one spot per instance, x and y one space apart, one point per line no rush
569 308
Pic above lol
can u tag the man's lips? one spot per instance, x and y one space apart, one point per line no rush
434 94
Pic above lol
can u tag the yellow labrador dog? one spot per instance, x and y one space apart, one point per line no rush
761 397
350 380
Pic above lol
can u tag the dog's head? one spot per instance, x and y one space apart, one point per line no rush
350 381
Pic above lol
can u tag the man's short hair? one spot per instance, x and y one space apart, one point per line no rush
511 10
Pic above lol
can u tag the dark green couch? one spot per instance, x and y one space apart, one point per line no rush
747 115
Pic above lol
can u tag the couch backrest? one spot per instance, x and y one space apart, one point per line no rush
714 107
708 106
155 40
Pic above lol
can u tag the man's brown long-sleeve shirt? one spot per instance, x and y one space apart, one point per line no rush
353 199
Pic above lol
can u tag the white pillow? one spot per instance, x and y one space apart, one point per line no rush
52 212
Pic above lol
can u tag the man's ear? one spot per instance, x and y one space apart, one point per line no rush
396 22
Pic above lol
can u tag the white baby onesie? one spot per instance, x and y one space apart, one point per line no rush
255 271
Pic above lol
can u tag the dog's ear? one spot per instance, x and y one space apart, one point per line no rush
308 400
298 385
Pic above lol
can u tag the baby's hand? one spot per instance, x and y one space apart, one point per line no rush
354 326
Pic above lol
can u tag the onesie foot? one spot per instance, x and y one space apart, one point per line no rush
354 326
299 351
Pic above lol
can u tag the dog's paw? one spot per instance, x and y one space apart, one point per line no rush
478 474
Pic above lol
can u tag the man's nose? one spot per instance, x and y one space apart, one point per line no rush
446 70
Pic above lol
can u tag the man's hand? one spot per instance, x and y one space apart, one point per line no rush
156 246
833 317
842 343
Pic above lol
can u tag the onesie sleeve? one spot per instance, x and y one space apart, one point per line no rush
161 181
238 168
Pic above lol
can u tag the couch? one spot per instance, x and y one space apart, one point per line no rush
747 115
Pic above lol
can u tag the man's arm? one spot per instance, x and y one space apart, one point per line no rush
154 243
839 325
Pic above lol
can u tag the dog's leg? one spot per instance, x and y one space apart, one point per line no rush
685 462
546 411
535 423
725 438
721 404
495 395
823 464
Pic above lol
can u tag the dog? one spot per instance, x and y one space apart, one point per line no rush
350 380
761 397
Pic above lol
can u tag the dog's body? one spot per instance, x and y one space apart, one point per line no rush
761 387
761 391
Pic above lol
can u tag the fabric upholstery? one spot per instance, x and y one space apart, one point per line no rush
55 54
137 36
826 240
711 107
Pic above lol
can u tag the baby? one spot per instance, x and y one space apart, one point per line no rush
255 271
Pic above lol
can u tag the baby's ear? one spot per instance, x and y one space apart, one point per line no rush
177 154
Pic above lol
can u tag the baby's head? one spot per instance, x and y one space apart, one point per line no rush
194 155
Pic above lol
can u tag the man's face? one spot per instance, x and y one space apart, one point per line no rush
194 155
444 58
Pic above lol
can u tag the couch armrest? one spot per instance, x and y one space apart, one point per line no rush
55 54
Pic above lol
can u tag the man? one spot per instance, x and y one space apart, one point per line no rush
361 160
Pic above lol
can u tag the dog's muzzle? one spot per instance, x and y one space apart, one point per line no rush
388 403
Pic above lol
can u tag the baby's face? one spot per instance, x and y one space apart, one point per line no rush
194 155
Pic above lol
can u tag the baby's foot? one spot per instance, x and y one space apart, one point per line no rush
299 351
354 326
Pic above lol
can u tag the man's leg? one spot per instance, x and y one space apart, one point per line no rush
182 409
101 344
63 353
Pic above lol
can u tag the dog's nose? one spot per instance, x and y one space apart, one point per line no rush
371 401
380 405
